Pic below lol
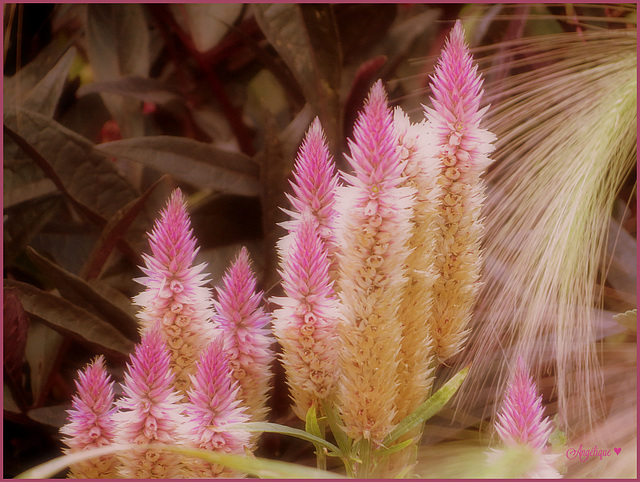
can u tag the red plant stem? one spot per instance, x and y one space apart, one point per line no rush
232 115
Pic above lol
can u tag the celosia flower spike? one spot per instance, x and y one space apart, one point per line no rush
374 233
213 404
91 422
306 325
149 411
420 173
175 296
461 151
521 422
246 331
314 185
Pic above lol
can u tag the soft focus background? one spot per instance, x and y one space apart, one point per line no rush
107 108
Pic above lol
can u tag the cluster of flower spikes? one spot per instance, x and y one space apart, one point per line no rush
521 422
305 325
175 296
156 407
462 149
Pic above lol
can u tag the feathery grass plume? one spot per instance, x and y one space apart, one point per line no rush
175 296
521 422
376 226
314 184
568 135
306 323
149 411
213 403
91 422
463 152
245 328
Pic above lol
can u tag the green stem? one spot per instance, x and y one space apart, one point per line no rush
321 454
365 453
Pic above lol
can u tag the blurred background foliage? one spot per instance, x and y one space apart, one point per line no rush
107 108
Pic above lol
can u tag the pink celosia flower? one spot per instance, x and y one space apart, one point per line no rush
213 404
456 114
461 153
521 422
91 421
245 329
306 325
375 229
149 411
314 184
175 296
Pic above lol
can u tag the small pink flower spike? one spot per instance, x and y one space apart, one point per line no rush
149 411
245 329
521 422
213 404
374 233
306 325
91 422
175 296
461 151
314 184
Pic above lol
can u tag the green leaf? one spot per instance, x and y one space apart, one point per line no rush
259 467
395 448
113 232
311 423
88 176
207 23
306 37
429 408
118 46
284 430
250 465
68 318
140 88
78 292
39 84
344 442
195 162
41 352
50 468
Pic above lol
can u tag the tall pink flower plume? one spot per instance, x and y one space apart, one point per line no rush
91 421
213 403
149 411
456 114
521 422
175 296
306 325
375 228
246 331
461 150
314 184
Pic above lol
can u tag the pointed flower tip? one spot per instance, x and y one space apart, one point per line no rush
377 95
457 34
521 420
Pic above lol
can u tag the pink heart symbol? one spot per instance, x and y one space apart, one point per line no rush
617 450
